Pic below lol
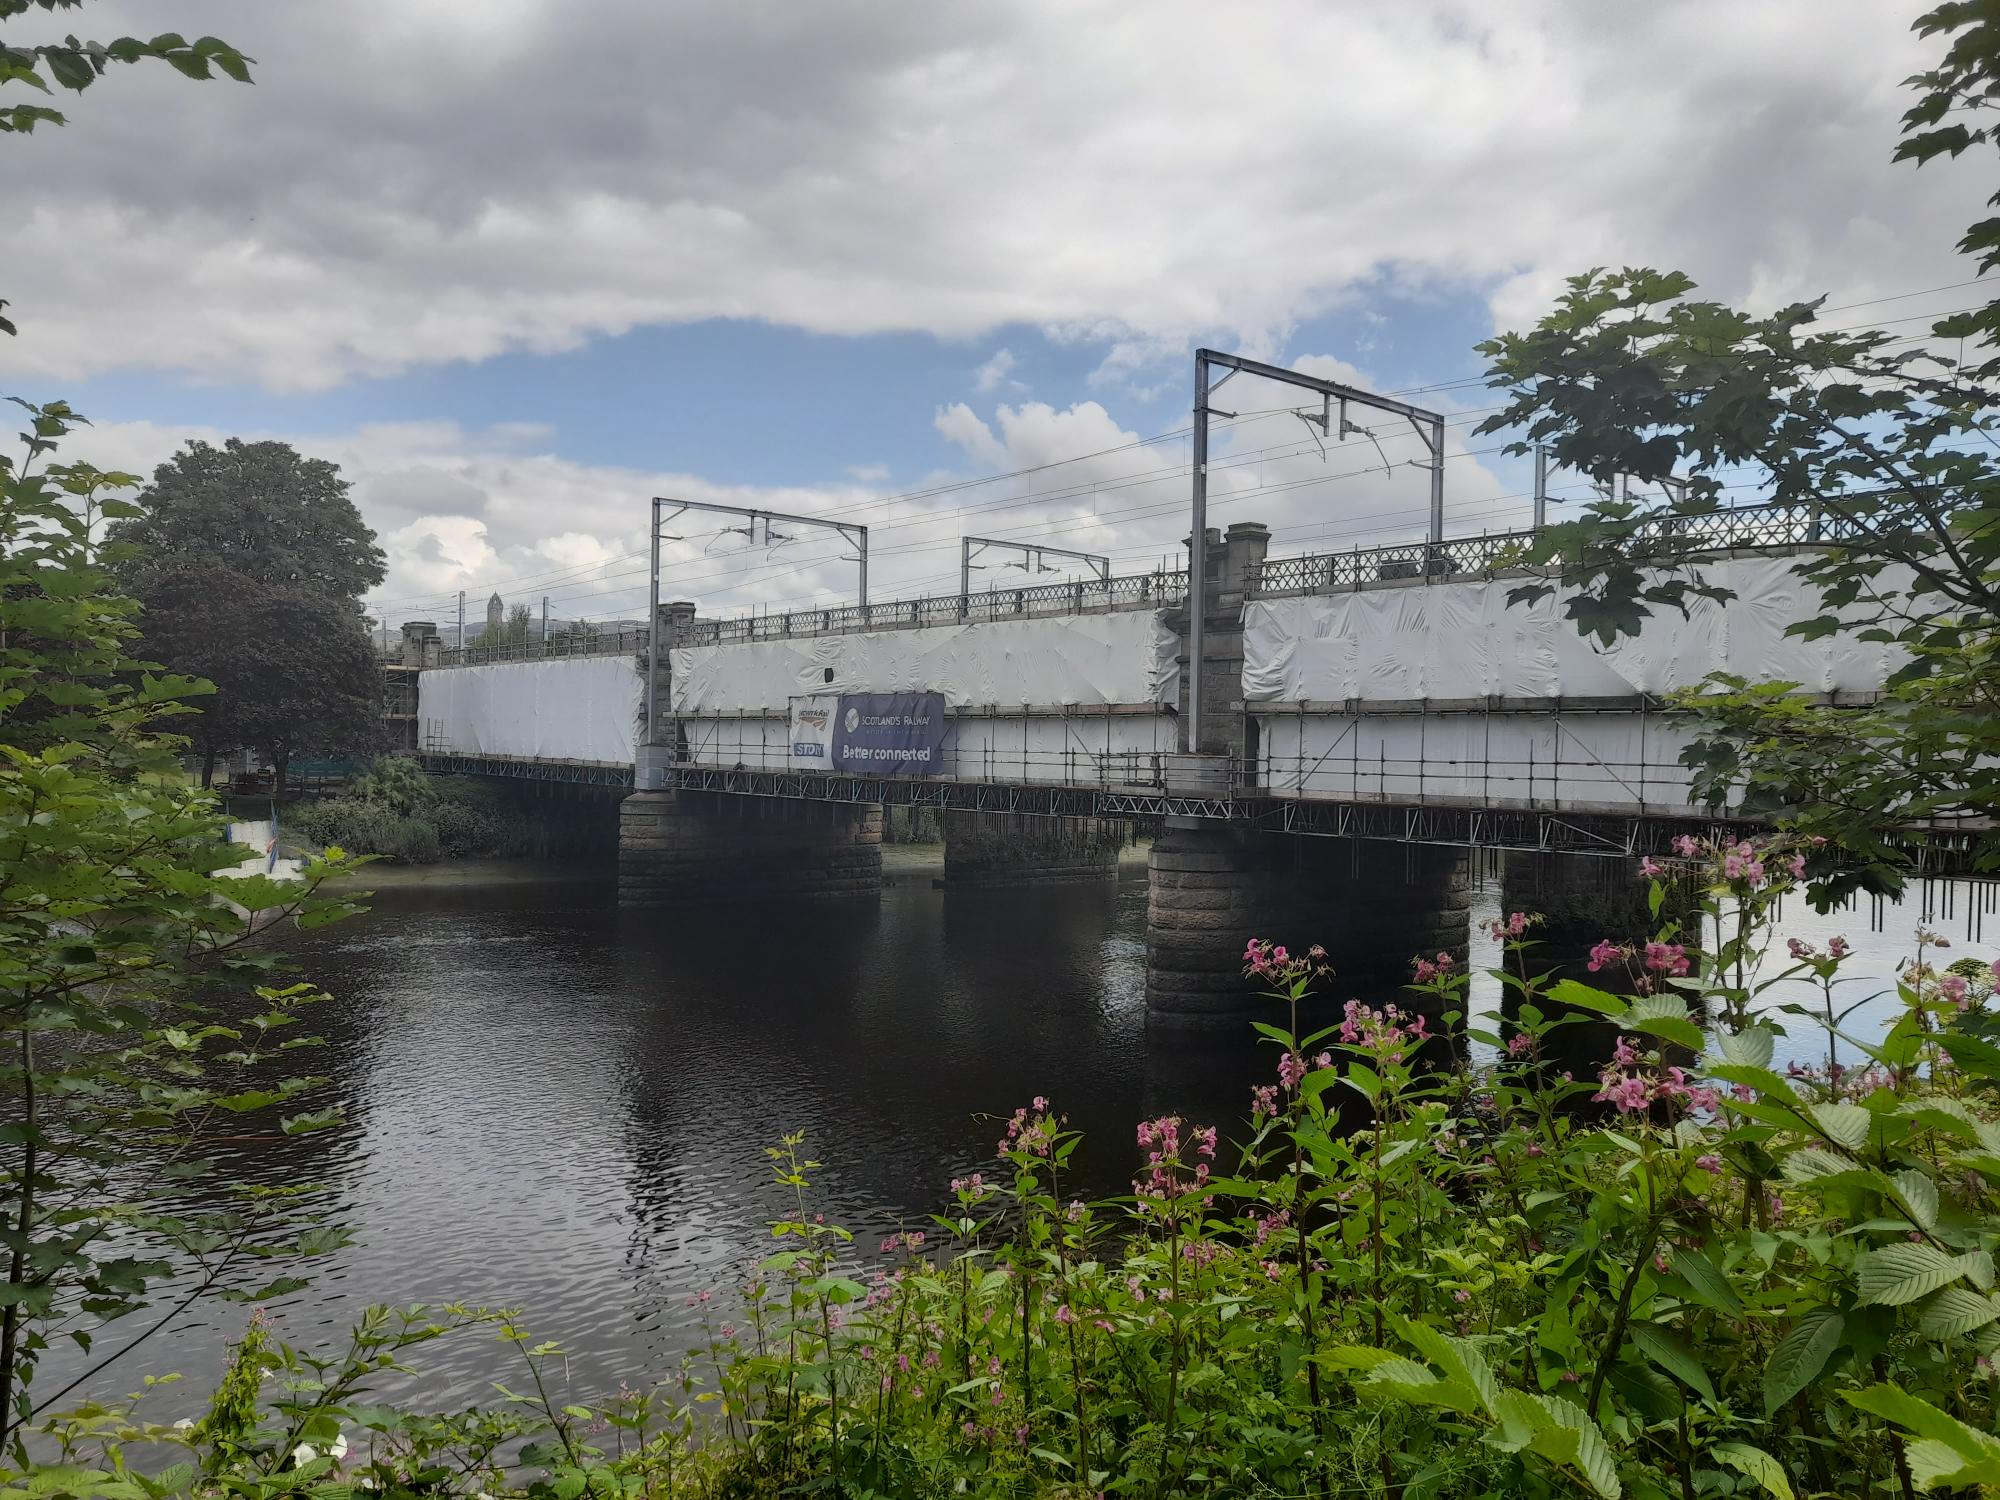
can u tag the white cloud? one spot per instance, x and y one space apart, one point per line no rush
412 185
996 373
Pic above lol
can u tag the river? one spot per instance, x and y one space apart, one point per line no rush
562 1107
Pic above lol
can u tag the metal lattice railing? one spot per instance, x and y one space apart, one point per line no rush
1748 526
598 643
1083 596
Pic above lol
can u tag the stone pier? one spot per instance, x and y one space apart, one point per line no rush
985 850
1372 905
676 848
1582 900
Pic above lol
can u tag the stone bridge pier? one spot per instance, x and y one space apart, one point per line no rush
675 848
1372 905
988 850
1583 900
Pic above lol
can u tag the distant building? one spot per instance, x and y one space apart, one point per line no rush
496 613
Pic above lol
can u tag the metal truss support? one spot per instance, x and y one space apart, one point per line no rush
1600 835
1429 426
1032 554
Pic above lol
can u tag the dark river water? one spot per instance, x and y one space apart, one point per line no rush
561 1107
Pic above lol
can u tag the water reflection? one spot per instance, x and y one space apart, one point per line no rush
563 1107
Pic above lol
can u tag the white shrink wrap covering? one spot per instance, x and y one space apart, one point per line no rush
1443 641
1076 661
570 708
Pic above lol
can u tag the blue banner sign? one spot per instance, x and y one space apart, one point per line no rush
888 734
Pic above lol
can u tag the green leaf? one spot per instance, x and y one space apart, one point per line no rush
1894 1404
1957 1311
1575 1440
1678 1030
1846 1124
1572 992
1750 1048
1757 1464
1801 1355
1707 1284
1897 1274
1973 1056
1665 1348
1768 1085
1919 1195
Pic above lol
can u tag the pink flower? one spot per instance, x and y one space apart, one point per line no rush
1263 1101
1605 954
1520 1044
1732 867
1628 1093
1064 1315
1291 1068
1669 959
1686 846
1709 1162
1837 948
1650 868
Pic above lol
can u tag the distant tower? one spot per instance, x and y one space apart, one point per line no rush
496 610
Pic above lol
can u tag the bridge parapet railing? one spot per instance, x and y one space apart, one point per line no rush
602 643
1745 526
1159 590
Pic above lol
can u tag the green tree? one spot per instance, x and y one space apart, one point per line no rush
248 560
519 629
76 65
261 509
1883 455
293 668
113 910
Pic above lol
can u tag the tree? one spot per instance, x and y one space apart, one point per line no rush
113 918
519 629
261 509
76 65
247 560
293 667
1883 454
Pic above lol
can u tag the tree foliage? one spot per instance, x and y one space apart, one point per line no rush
75 65
114 908
1881 454
260 509
292 667
247 559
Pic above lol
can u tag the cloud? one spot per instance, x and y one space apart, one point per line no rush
996 373
412 185
468 509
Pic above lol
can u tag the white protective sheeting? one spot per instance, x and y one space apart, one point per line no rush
1087 661
1597 762
571 708
1086 750
1447 641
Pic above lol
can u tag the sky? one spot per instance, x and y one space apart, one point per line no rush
520 265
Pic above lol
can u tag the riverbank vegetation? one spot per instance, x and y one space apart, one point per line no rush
396 810
1406 1273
